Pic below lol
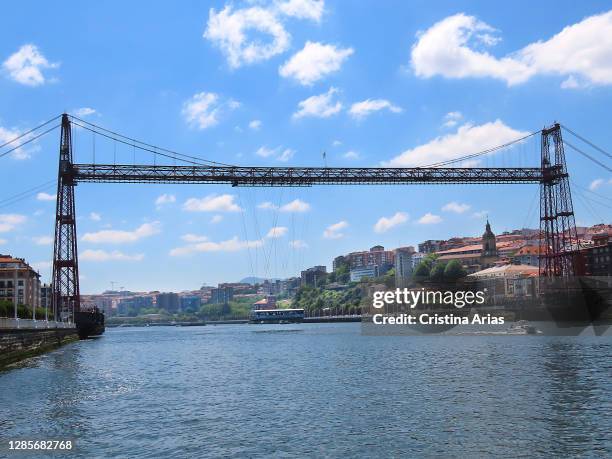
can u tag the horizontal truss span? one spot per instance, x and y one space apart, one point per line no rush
298 176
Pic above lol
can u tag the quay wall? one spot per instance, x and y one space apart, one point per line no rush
19 344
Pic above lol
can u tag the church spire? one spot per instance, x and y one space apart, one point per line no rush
489 244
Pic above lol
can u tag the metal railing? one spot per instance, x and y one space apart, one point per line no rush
18 324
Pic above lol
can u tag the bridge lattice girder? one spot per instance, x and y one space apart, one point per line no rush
299 176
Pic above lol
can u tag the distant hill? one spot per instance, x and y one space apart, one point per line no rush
256 280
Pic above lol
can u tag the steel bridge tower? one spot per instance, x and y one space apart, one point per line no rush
66 297
560 251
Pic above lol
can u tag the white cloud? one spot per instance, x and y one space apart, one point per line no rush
265 152
9 222
193 238
456 207
279 153
203 110
444 50
277 231
360 110
216 219
8 135
46 197
571 82
231 245
83 112
384 224
212 203
298 244
26 66
3 241
468 139
164 199
43 240
228 30
581 52
297 205
255 125
451 119
267 206
351 155
321 106
480 214
303 9
102 255
314 62
94 216
429 219
122 237
336 143
335 231
286 155
597 183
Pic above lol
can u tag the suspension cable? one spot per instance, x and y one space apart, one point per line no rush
601 196
601 150
483 152
9 201
150 148
31 139
29 132
198 162
586 155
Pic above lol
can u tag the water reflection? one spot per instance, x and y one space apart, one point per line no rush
577 396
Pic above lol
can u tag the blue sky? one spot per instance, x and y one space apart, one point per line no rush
278 83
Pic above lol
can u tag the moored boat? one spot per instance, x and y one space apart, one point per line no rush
89 323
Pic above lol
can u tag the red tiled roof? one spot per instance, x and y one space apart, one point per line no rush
530 250
474 247
459 256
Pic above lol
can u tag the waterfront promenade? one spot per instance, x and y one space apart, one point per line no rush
24 338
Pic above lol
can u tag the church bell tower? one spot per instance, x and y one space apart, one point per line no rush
489 244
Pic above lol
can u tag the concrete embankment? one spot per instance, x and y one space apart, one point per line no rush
16 345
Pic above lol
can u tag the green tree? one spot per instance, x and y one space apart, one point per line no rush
342 270
6 308
454 271
437 272
422 270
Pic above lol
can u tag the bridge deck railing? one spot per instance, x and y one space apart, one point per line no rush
25 324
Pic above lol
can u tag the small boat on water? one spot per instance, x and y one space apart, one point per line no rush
522 327
276 316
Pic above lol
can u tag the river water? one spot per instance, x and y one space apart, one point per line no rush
312 390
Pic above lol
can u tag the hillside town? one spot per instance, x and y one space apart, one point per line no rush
511 257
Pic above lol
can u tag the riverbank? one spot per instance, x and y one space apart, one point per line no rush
17 345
